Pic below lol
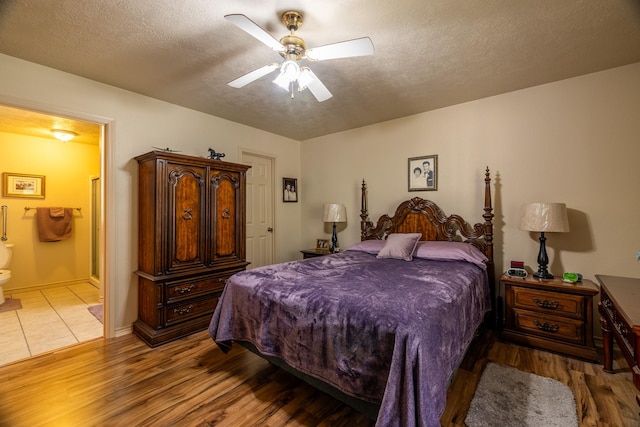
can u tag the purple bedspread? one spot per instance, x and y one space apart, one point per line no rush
386 331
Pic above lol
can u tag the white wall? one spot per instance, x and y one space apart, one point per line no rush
574 141
139 123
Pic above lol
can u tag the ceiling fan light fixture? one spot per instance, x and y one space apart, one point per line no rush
63 134
289 72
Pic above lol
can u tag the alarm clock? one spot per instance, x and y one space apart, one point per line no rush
517 272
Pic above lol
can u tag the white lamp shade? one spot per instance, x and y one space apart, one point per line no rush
547 217
335 212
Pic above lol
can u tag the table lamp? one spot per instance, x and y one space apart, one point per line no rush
334 212
544 217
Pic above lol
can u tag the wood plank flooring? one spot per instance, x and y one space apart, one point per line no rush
190 382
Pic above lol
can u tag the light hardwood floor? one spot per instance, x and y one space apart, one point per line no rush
190 382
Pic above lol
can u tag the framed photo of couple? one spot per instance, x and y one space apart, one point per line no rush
423 173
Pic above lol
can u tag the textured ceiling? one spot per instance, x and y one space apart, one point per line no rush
428 53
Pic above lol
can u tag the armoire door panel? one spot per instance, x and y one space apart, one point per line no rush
225 198
186 198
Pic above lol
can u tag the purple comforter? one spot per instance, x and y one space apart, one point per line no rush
386 331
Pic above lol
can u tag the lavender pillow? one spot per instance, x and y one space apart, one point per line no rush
400 246
451 251
368 246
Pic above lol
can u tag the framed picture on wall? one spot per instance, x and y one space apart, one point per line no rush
423 173
289 190
22 185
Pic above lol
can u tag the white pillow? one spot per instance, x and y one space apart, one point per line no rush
400 246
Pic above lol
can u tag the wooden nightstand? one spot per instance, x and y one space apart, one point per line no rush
312 253
550 315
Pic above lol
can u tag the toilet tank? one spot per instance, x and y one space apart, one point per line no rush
5 255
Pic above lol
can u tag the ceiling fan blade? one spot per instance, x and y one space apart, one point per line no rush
346 49
253 75
253 29
317 88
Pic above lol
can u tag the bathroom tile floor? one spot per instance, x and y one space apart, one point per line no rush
49 319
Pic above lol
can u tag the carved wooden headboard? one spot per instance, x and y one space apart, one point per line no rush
418 215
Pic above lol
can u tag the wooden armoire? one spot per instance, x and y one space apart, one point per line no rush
191 239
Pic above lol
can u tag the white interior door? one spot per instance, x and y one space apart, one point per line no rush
259 209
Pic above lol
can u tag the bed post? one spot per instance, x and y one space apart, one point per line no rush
496 304
488 216
364 214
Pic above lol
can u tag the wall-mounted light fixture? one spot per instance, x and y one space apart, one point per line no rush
63 134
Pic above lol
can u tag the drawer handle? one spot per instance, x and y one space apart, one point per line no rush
546 327
223 281
225 214
182 311
546 304
187 215
186 289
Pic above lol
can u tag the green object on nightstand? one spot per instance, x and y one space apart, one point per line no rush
571 277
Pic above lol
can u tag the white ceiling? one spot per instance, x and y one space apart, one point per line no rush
428 53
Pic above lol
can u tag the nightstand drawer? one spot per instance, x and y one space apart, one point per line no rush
549 302
555 327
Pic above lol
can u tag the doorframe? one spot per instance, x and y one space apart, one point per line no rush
107 215
271 157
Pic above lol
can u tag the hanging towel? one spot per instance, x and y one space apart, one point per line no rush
56 212
54 228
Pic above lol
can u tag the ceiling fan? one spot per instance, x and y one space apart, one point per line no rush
293 49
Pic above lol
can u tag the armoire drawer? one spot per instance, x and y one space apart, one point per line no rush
196 286
187 310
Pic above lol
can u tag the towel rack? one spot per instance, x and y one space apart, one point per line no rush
27 208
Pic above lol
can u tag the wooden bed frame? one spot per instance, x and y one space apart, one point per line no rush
414 215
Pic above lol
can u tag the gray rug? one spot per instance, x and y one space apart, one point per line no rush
508 397
10 304
97 311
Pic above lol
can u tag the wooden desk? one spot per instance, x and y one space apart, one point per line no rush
619 309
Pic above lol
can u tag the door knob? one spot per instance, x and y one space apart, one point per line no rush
270 229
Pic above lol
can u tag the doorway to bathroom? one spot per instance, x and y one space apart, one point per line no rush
65 290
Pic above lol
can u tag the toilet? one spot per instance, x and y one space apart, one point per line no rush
5 260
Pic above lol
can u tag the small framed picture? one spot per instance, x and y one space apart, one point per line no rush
289 190
322 245
22 185
423 173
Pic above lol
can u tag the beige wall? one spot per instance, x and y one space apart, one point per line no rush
139 123
574 141
68 169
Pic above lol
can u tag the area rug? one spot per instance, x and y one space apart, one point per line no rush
97 311
508 397
10 304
